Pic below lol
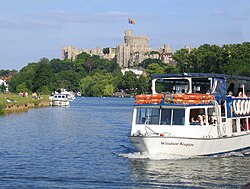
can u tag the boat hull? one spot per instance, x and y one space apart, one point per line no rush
190 146
59 103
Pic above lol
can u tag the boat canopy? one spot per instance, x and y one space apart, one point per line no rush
204 83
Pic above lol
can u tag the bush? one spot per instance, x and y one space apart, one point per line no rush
36 102
2 107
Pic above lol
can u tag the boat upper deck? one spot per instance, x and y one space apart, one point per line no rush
200 83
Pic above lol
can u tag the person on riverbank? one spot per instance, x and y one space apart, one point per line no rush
34 95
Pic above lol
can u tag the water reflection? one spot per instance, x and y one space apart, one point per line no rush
209 172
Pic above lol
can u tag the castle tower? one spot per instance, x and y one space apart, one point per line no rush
132 49
69 52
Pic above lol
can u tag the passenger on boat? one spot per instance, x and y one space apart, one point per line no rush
230 93
200 120
204 119
192 121
213 118
240 94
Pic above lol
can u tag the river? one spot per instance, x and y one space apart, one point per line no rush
85 145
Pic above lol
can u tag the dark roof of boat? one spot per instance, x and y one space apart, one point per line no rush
199 75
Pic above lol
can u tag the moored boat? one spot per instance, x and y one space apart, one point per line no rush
193 114
59 100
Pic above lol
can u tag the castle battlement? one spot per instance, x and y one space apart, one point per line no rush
130 53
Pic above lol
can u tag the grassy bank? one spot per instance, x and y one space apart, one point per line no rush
10 103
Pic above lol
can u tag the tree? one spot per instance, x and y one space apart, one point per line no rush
108 90
155 68
145 63
22 88
2 88
130 81
25 75
43 77
85 86
142 84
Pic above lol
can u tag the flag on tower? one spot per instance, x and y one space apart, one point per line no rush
131 21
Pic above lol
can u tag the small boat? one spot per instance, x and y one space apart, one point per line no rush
59 100
192 114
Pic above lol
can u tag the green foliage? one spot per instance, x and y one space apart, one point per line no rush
145 63
154 52
25 75
130 80
155 68
45 90
2 107
4 73
43 77
36 102
143 85
231 59
97 85
2 88
108 90
21 88
85 86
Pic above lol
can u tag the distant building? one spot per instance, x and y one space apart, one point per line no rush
135 49
138 72
3 82
70 52
188 48
129 54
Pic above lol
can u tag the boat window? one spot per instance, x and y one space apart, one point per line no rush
141 116
148 116
166 116
212 118
197 116
201 85
178 117
172 85
234 125
171 116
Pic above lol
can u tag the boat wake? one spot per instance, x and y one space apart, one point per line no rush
244 153
158 156
130 153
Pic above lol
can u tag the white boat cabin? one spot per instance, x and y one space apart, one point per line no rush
194 105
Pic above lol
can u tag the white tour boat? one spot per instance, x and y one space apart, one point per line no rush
193 114
59 100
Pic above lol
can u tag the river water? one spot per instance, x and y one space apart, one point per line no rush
85 145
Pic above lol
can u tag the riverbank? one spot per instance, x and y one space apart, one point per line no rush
12 103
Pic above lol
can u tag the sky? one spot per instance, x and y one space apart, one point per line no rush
35 29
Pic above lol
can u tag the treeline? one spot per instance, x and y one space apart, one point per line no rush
90 75
6 73
231 59
93 76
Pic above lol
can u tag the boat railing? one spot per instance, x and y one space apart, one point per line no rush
241 106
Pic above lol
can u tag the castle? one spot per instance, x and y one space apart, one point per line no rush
132 52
